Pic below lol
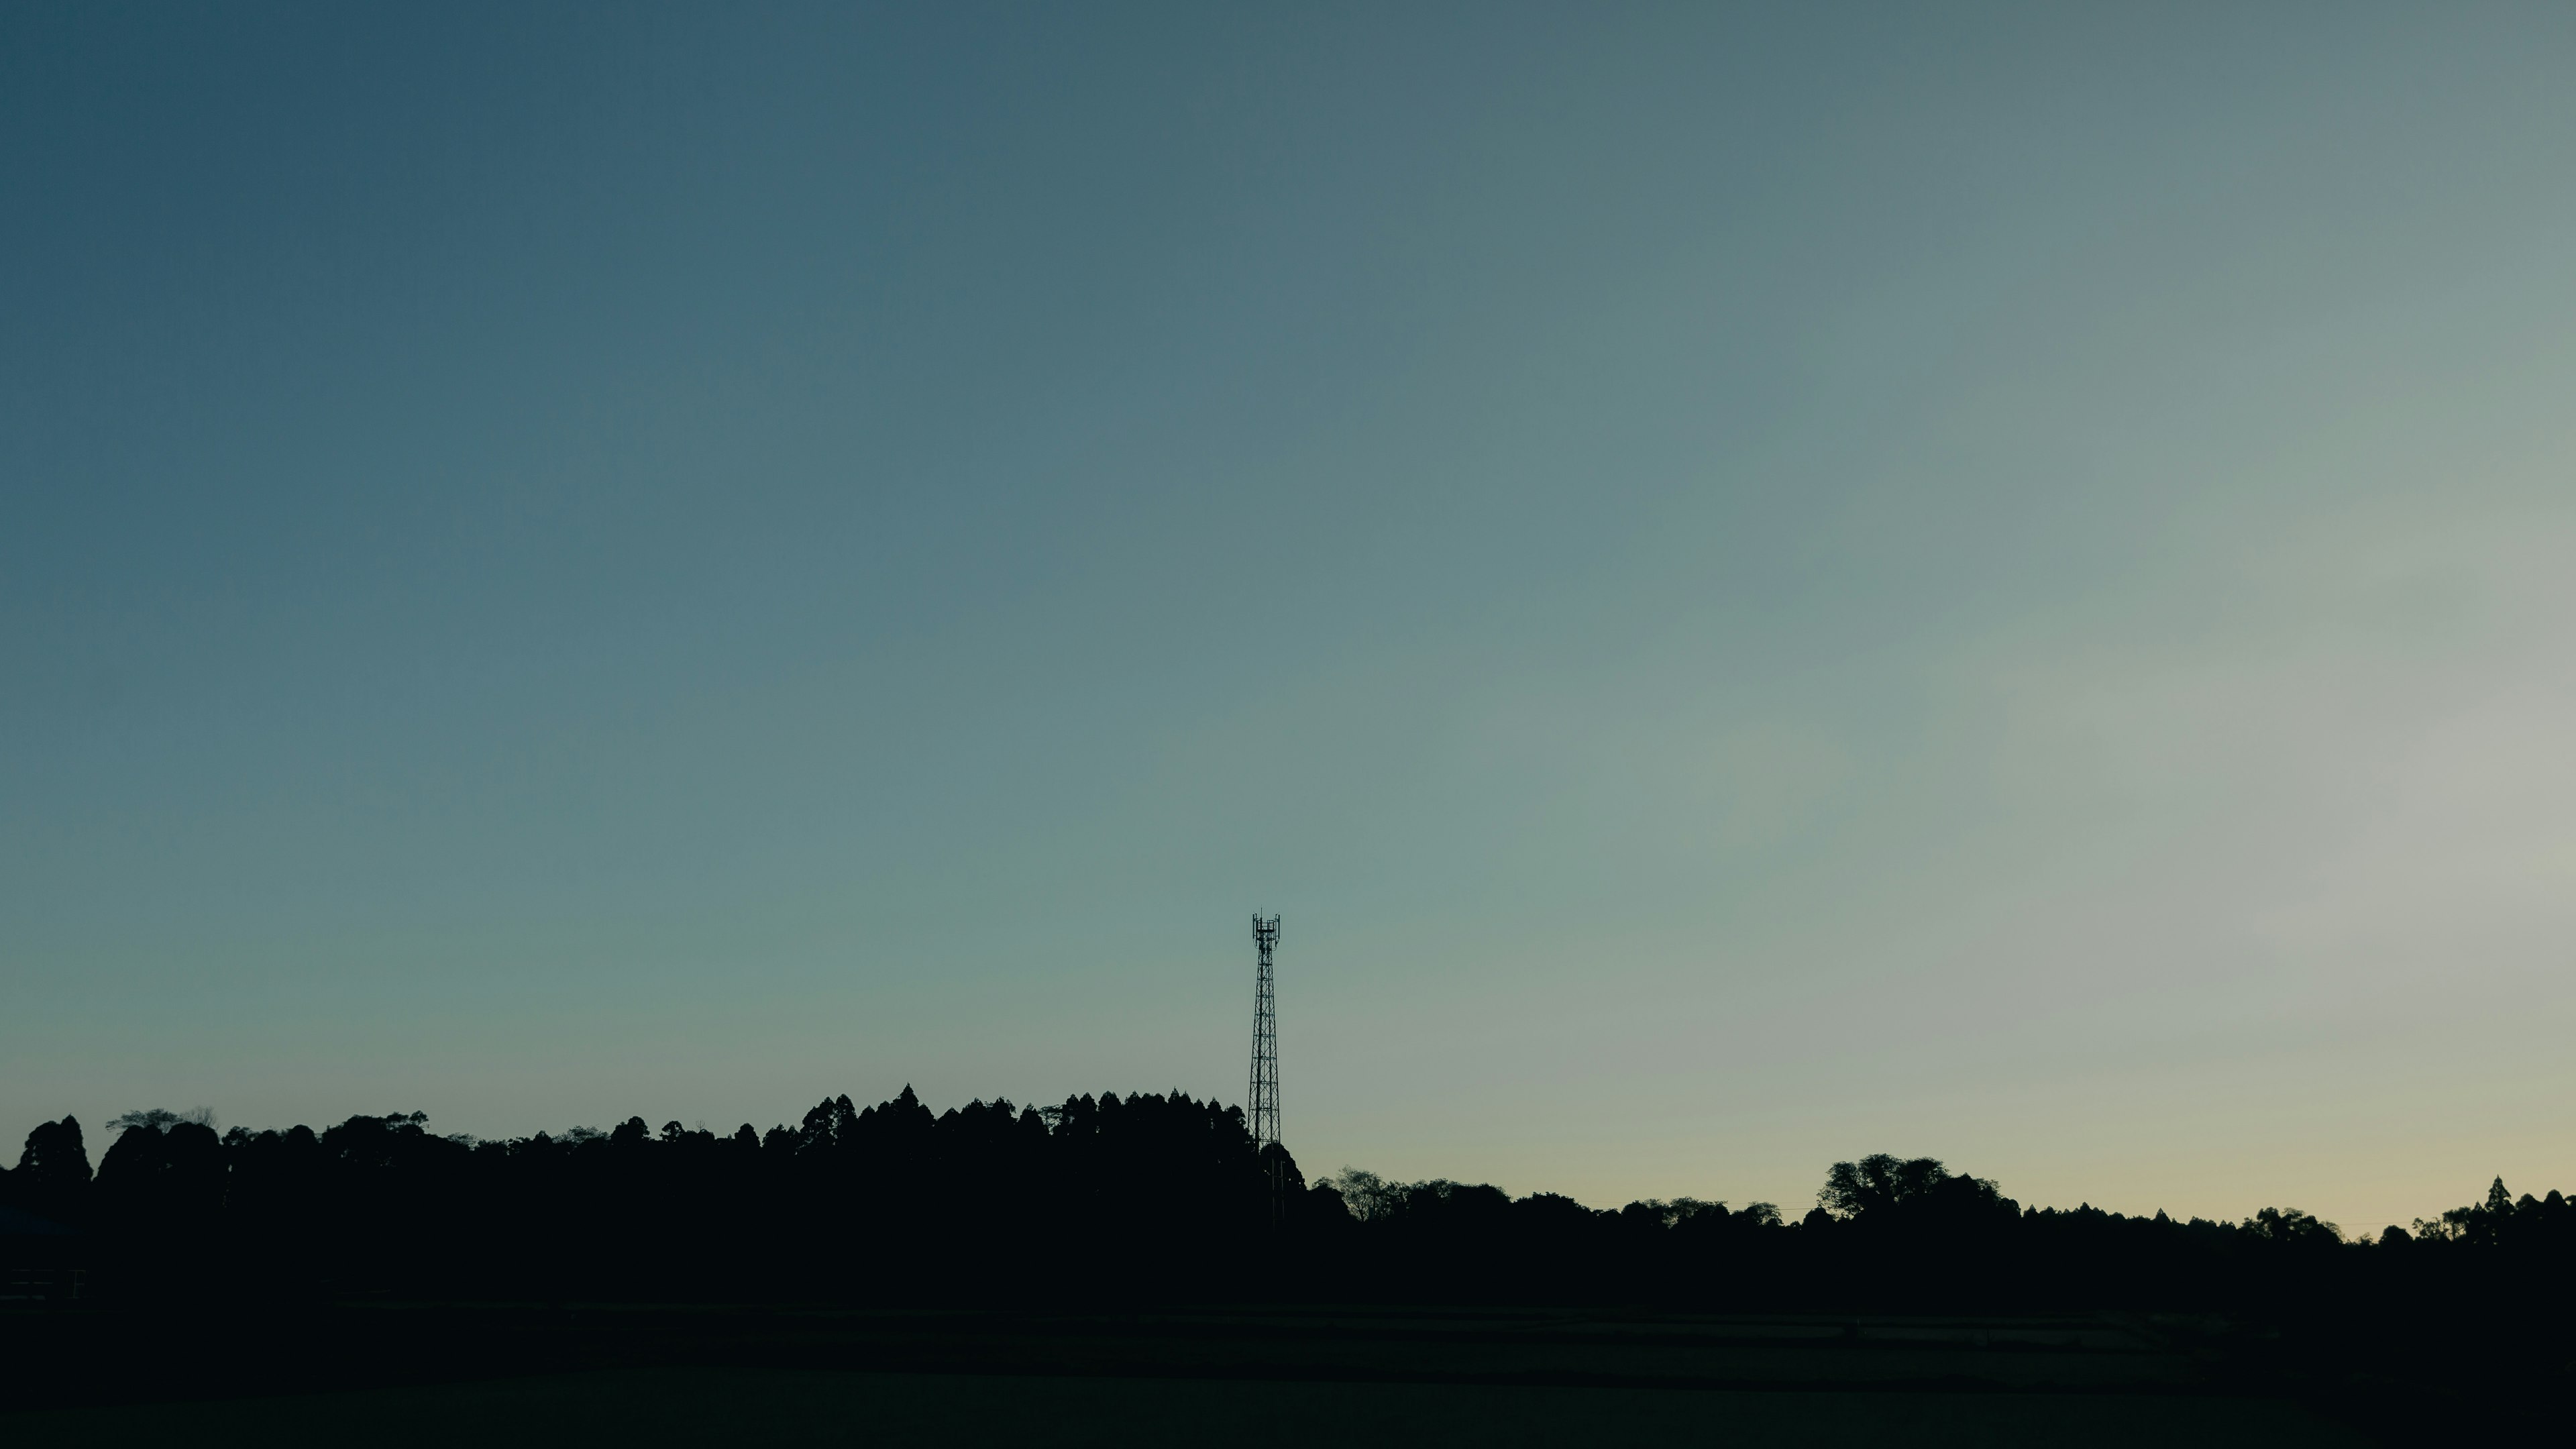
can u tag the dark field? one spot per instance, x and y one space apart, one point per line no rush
636 1376
791 1406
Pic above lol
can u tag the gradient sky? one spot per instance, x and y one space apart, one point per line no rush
1755 584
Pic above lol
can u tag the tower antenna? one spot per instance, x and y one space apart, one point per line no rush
1264 1110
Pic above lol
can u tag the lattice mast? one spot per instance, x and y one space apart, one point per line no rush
1264 1108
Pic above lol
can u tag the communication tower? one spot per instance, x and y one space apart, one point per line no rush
1264 1109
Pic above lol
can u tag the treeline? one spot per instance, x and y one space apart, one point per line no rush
1146 1196
891 1201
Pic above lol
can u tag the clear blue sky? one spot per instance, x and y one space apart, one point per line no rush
1755 584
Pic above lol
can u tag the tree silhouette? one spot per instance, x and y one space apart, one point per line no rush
1142 1195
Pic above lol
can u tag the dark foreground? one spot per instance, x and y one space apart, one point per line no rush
371 1280
814 1406
509 1375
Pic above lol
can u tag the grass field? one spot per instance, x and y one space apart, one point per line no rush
788 1406
503 1374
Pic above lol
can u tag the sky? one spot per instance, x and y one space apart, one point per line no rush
1754 584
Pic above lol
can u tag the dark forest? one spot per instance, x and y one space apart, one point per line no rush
1138 1197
